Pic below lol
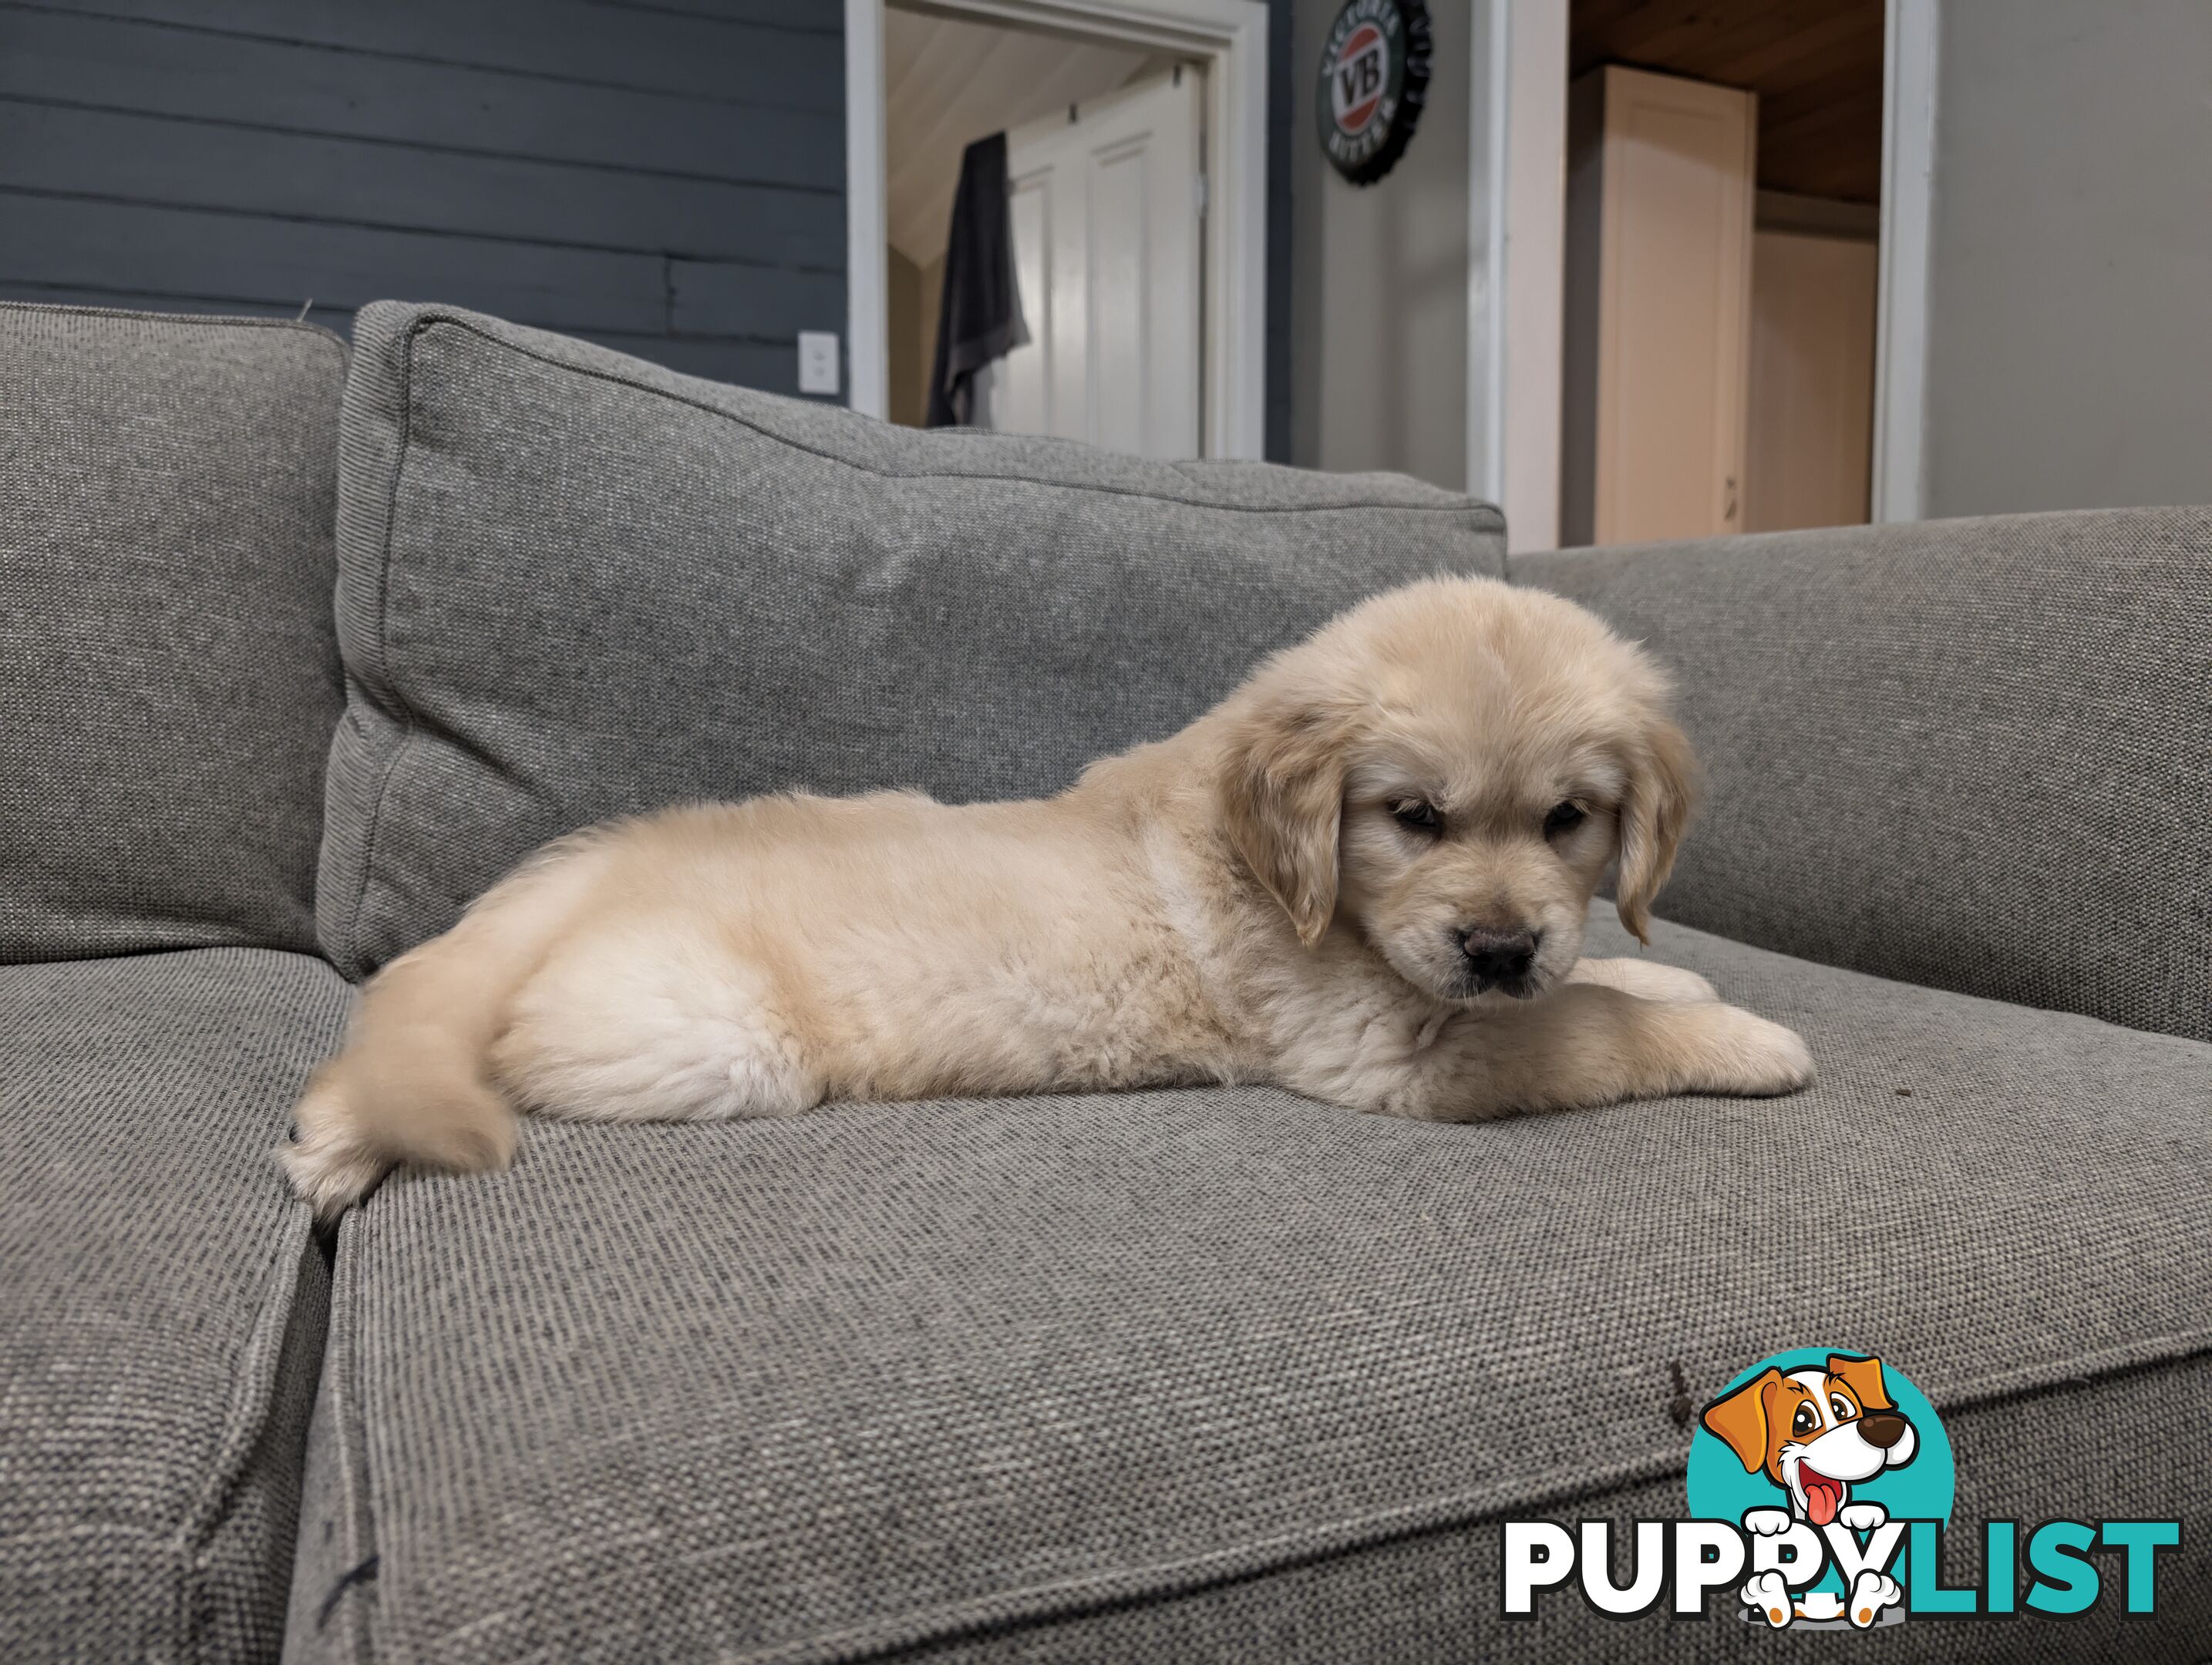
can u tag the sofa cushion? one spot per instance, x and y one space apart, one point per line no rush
168 666
848 1383
1973 754
1420 1598
574 585
161 1301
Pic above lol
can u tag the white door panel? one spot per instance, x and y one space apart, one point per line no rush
1021 383
1107 247
1118 271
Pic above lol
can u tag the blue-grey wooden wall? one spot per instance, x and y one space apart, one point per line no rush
665 176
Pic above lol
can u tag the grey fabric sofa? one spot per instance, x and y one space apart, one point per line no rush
300 648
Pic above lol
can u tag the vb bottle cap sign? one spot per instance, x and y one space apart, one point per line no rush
1374 81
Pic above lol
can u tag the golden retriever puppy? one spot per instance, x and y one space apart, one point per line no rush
1364 876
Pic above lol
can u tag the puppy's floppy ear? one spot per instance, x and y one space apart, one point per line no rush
1740 1419
1655 811
1282 797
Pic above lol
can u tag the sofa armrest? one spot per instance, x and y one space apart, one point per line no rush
1973 754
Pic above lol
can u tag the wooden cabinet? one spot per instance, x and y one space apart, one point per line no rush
1659 194
1810 457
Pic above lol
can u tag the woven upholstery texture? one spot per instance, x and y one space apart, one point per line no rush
1433 1598
574 585
1973 754
168 663
830 1386
162 1301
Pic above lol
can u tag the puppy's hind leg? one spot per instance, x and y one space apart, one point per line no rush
370 1110
653 1019
411 1085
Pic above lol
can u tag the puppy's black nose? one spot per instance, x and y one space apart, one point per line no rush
1881 1428
1498 956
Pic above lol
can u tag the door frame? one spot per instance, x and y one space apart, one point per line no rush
1517 262
1908 212
1516 180
1230 38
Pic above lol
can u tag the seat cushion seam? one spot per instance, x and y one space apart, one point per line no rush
353 1450
254 1372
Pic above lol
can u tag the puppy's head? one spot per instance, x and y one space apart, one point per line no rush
1449 770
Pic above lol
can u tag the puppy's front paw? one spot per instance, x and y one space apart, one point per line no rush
1645 980
1746 1053
1766 1522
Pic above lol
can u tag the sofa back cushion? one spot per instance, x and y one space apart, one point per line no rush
572 585
1973 754
169 668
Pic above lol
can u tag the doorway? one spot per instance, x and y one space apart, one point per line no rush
1105 147
1137 159
1725 169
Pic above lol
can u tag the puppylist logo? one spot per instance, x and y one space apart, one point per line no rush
1820 1486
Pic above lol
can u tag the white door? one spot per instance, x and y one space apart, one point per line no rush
1106 208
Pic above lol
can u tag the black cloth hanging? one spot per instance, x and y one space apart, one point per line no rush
979 316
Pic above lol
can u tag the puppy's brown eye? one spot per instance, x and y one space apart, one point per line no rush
1805 1421
1415 815
1563 817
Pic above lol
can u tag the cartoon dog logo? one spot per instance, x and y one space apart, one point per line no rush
1815 1433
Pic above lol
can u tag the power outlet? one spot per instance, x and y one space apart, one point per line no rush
818 362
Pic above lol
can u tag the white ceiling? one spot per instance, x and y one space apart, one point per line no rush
948 82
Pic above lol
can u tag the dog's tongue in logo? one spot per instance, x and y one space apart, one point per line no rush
1823 1497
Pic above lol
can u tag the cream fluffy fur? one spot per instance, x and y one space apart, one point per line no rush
1261 898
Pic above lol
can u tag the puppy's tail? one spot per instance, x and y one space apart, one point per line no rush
413 1084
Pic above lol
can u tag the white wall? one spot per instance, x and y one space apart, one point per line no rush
1379 279
2069 334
